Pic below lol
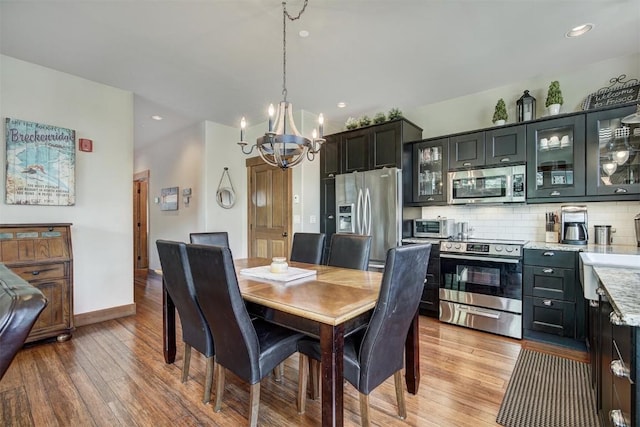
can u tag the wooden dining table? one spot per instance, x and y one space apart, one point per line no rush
328 306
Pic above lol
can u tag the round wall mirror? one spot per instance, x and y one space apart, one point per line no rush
226 197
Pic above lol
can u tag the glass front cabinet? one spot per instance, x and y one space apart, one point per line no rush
430 160
613 153
556 159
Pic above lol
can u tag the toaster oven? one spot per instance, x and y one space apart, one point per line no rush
439 228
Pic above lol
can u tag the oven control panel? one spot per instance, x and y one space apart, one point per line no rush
500 249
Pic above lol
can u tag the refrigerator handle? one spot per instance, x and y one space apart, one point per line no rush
359 212
368 211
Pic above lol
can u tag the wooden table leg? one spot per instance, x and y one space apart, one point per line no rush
332 349
412 356
168 326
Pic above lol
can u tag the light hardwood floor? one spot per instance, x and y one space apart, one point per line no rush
113 373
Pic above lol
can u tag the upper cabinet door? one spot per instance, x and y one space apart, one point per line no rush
613 153
429 179
556 159
466 151
355 151
505 145
329 158
386 143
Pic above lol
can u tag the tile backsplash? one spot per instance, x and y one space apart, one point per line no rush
527 222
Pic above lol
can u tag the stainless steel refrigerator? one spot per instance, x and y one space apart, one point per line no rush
370 203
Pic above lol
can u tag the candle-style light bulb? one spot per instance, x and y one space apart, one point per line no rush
314 135
321 125
243 125
271 112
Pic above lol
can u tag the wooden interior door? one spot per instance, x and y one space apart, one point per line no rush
140 200
270 208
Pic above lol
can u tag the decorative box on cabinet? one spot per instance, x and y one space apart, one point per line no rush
41 254
556 159
613 155
553 302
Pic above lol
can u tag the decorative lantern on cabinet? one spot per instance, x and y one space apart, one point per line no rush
526 107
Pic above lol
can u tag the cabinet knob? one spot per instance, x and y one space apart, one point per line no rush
35 273
466 164
548 254
593 303
430 199
547 302
615 319
620 190
330 217
505 159
619 369
331 175
554 193
617 419
548 270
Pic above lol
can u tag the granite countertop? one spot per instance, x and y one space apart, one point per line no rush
602 249
622 286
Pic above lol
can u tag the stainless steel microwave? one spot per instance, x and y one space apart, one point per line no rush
493 185
439 227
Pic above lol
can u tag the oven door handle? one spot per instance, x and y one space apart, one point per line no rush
477 312
478 258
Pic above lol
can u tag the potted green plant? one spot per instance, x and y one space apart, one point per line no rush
394 113
554 98
364 121
379 118
500 115
351 123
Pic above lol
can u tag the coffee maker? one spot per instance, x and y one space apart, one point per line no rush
574 225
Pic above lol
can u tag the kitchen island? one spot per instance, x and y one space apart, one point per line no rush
618 346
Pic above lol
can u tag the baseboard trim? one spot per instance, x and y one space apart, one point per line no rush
103 315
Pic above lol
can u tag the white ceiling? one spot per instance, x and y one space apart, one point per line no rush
219 60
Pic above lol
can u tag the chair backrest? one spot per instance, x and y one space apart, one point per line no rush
176 275
20 306
382 348
350 251
215 280
211 238
307 247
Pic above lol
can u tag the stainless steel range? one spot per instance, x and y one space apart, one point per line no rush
481 285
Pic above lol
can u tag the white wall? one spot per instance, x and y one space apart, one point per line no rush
475 111
176 160
102 217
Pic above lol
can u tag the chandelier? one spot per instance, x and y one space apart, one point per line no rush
282 145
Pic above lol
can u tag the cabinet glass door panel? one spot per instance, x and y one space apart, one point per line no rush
430 170
613 153
556 160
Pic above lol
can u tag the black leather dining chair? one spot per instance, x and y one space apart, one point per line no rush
307 247
249 349
350 251
373 354
176 275
213 238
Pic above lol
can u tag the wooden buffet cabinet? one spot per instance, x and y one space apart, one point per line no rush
41 254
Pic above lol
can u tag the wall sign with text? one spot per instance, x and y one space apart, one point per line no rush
41 163
620 91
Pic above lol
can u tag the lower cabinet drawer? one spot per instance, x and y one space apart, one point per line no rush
57 314
549 316
40 271
549 282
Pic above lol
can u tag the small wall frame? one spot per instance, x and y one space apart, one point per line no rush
169 199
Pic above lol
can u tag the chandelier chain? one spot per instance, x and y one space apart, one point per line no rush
286 15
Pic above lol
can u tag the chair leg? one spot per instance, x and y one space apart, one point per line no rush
364 410
219 386
209 380
402 407
314 368
278 372
254 398
303 374
186 362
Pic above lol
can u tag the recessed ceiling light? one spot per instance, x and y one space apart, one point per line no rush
156 117
579 30
342 104
303 33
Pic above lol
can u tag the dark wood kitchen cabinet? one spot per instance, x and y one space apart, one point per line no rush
613 154
330 158
553 303
327 211
493 147
430 301
556 159
376 146
466 150
428 179
41 254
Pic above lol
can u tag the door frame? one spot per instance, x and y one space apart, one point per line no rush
141 177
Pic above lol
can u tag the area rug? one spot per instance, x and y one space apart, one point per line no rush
548 391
